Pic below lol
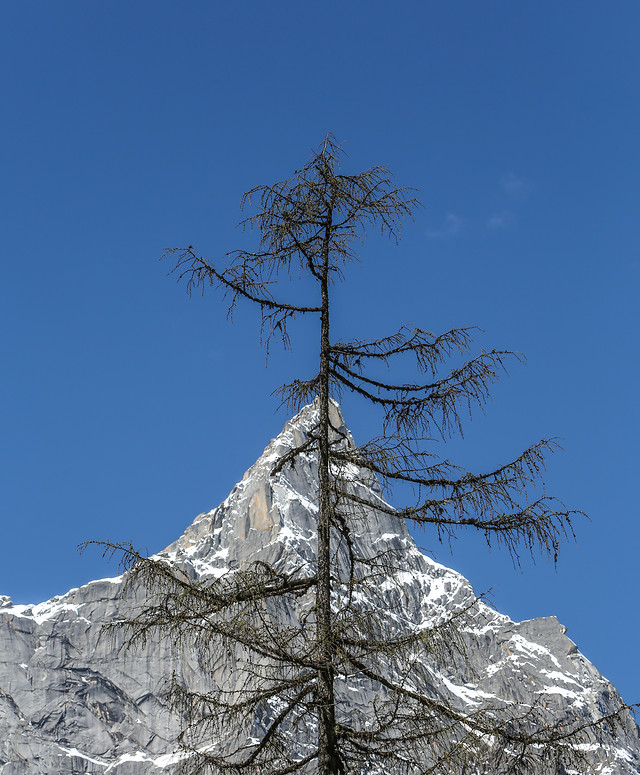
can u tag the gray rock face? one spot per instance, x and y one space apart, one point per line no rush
71 701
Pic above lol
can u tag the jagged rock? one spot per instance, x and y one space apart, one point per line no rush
72 701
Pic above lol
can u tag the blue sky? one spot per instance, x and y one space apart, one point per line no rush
128 408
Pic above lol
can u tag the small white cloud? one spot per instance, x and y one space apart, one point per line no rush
496 222
453 224
500 220
515 186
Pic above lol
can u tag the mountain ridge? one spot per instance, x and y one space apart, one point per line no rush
71 701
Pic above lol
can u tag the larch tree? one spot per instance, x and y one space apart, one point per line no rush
308 227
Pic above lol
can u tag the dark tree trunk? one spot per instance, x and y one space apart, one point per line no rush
328 760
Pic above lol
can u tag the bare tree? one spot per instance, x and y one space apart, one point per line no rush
307 227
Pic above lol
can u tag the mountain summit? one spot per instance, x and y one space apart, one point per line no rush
73 701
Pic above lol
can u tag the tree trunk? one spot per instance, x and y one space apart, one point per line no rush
328 760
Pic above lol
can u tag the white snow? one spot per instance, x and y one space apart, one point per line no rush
561 691
42 611
554 675
469 694
531 649
75 752
161 762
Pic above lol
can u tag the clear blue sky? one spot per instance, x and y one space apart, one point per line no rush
128 408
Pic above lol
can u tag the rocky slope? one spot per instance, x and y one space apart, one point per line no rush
72 701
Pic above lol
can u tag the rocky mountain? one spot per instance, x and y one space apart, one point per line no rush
73 701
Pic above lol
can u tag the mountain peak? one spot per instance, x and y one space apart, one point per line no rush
72 700
271 514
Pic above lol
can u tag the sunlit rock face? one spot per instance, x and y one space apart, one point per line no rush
73 701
